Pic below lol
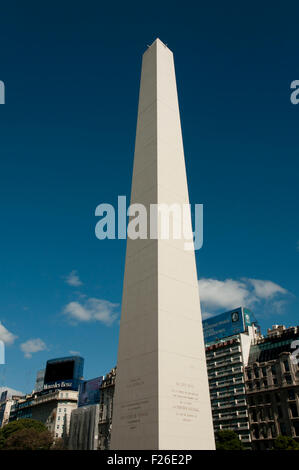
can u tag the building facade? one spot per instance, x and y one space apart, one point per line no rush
106 409
91 423
53 408
6 407
228 339
226 362
272 387
54 397
83 433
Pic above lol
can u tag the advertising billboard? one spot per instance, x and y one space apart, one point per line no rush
89 391
226 324
65 372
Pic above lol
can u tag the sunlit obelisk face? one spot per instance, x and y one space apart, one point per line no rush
161 396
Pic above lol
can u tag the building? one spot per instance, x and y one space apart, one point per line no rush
7 403
84 424
83 433
51 407
55 395
228 339
272 384
106 409
90 426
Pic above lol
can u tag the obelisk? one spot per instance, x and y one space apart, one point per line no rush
161 396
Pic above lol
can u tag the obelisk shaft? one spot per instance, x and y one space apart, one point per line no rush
161 397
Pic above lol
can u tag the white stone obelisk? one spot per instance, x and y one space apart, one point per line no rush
161 396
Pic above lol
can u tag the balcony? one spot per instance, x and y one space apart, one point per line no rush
243 425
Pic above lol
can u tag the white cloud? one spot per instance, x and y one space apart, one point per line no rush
74 353
279 306
6 336
217 296
32 346
224 294
266 289
73 279
90 310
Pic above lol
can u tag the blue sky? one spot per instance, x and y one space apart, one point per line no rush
67 133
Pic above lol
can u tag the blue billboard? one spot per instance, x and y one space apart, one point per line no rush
89 391
226 324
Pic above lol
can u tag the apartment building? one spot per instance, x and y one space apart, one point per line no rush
51 407
272 387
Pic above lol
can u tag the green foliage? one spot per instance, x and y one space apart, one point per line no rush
228 440
285 443
28 439
59 444
25 434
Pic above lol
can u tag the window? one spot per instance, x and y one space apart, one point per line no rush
249 374
264 431
279 411
286 366
64 409
294 410
264 371
296 427
57 427
273 430
275 381
291 395
288 378
283 429
265 383
58 418
256 373
267 398
273 369
256 433
59 410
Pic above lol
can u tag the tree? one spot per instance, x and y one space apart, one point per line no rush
285 443
25 434
228 440
28 439
59 444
